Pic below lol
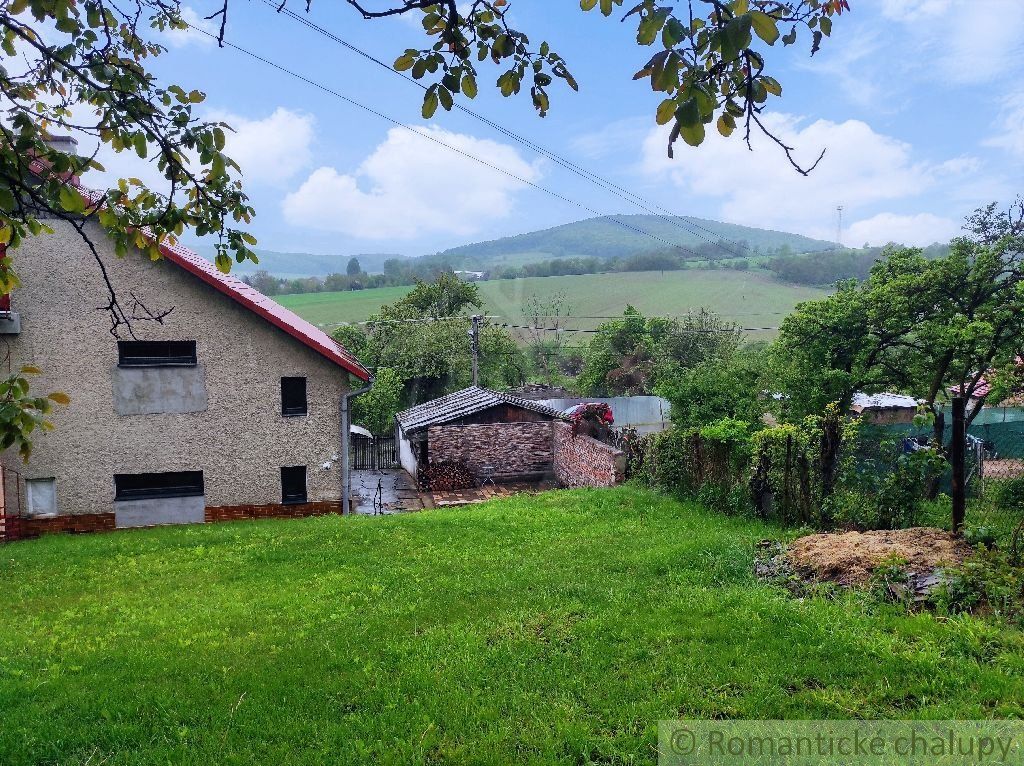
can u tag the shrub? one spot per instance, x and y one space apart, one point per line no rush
707 463
987 582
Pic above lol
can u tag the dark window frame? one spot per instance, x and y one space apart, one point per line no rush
290 406
290 495
159 484
156 353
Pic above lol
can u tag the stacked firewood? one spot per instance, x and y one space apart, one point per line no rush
446 475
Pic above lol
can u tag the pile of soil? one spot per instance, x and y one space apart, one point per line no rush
849 558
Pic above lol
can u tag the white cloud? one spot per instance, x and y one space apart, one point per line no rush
271 150
411 186
964 42
1010 127
182 38
862 170
902 10
917 230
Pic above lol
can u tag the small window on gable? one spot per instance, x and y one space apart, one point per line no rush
293 484
144 486
41 496
293 397
156 353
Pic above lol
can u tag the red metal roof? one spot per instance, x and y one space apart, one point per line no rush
246 295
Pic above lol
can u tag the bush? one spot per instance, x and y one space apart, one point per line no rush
708 464
987 582
887 492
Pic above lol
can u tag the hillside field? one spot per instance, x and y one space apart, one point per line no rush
752 299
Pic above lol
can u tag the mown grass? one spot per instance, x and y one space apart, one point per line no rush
752 299
549 629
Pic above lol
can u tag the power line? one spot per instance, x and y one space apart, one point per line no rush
610 186
438 141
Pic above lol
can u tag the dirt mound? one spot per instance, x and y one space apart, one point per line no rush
849 558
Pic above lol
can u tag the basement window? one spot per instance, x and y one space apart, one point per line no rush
156 353
144 486
293 397
42 497
293 484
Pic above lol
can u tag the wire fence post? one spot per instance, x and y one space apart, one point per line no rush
958 484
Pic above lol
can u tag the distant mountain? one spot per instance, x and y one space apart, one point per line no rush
291 265
619 235
605 237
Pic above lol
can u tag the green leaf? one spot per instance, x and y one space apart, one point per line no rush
588 5
688 114
765 26
469 86
70 200
726 124
446 99
674 33
693 134
666 110
60 397
404 63
429 104
735 36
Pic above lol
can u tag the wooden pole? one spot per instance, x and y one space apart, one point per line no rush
957 460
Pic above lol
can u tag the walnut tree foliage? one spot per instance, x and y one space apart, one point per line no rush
710 63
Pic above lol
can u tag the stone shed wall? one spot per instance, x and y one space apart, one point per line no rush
514 449
581 461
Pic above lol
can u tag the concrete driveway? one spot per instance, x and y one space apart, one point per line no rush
384 492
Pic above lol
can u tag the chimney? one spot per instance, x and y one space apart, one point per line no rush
64 144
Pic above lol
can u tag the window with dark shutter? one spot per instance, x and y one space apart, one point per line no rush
156 353
293 397
143 486
293 484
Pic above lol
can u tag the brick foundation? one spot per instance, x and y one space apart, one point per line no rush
277 511
516 450
20 528
581 461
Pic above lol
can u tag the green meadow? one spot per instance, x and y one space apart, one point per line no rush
550 629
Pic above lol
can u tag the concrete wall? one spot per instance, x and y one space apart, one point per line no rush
647 414
581 461
406 455
514 450
239 439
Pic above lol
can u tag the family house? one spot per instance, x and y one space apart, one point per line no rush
221 404
884 409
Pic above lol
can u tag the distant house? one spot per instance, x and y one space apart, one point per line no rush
227 407
884 409
472 276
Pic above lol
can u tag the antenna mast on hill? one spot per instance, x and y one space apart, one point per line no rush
839 226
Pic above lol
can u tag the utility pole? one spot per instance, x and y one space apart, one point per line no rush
474 344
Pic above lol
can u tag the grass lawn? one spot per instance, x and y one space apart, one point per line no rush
549 629
753 299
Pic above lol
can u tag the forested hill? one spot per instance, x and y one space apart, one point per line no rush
604 238
684 239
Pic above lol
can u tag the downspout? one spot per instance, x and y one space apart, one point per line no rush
346 437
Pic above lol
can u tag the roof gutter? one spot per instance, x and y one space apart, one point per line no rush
346 439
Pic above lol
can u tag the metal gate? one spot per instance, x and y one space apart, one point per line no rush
370 454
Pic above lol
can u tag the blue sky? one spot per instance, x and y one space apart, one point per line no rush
918 104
